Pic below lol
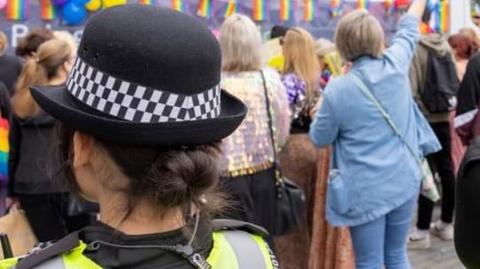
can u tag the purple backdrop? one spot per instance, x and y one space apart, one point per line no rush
323 24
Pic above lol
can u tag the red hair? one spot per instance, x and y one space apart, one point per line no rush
463 45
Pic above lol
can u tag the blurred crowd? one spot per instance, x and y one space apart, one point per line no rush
302 96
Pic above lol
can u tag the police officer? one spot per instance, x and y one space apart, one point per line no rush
141 115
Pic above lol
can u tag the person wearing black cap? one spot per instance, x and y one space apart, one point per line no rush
141 116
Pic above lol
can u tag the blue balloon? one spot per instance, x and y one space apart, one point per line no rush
59 2
73 14
80 3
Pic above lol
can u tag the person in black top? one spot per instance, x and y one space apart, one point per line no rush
10 65
467 215
5 107
467 121
33 164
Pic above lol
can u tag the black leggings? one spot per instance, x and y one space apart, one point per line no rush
48 215
443 163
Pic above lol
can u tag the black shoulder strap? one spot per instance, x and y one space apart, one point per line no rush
269 117
230 224
69 242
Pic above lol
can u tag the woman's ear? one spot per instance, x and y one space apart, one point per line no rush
67 66
82 148
83 158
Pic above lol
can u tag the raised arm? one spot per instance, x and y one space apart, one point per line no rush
405 42
418 8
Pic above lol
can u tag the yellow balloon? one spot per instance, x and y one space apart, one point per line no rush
112 3
93 5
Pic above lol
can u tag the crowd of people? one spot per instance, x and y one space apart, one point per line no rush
349 121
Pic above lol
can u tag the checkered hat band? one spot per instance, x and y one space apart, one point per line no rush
133 102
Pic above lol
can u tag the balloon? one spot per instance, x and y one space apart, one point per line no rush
80 3
402 4
59 2
112 3
73 14
93 5
3 4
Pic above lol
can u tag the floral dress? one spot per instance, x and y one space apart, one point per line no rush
300 105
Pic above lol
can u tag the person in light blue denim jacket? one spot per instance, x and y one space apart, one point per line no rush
375 180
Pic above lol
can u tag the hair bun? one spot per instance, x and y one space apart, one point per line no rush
167 177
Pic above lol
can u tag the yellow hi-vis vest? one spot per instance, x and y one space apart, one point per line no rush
231 250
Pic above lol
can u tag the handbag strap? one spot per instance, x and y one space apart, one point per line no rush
385 114
278 178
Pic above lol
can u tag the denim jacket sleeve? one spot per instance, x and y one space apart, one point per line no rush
405 42
427 140
325 126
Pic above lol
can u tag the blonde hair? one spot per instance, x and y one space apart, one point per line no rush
300 58
241 44
3 42
359 34
67 37
51 55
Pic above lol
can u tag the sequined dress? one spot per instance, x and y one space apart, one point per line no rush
249 148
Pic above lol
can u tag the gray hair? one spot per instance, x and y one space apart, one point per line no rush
359 34
323 47
241 44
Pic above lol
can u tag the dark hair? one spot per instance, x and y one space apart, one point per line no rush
278 31
463 45
165 177
29 44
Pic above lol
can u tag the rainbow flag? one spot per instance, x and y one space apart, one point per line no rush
258 10
4 149
286 10
205 8
440 15
389 6
362 4
146 2
336 7
178 5
18 9
434 20
444 16
47 10
231 8
308 10
425 28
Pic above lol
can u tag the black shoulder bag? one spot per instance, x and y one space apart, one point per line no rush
290 202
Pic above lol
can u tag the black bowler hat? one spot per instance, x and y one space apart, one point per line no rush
148 76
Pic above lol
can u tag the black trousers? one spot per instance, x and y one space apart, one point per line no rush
48 215
442 162
252 199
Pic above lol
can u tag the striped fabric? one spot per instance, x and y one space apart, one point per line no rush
4 149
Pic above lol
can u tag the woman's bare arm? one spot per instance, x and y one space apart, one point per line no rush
418 8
